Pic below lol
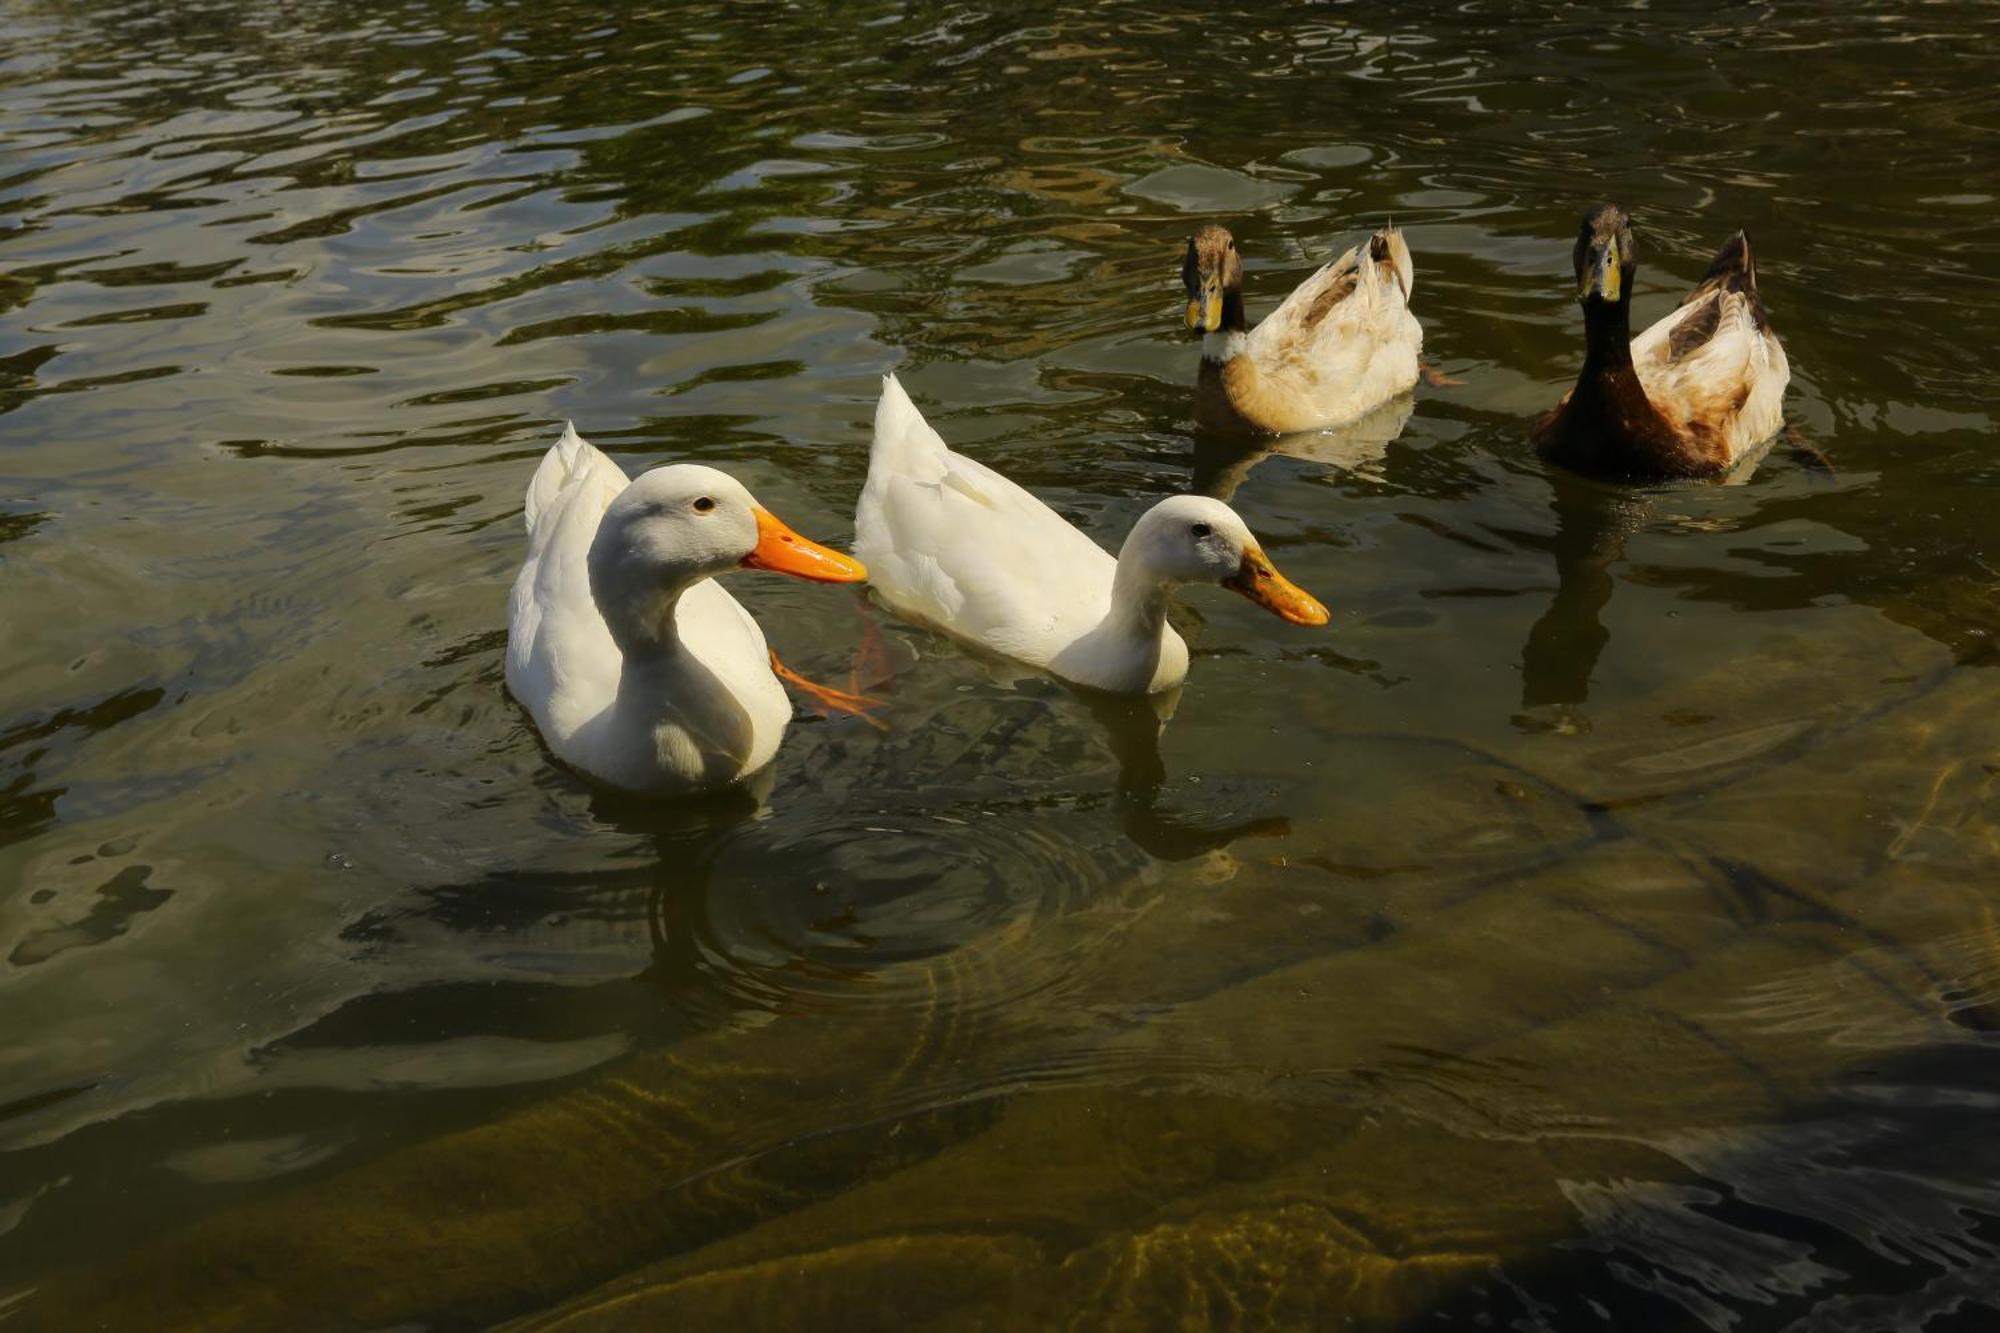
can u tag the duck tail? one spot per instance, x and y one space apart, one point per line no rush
904 441
1387 247
564 460
1733 266
1734 269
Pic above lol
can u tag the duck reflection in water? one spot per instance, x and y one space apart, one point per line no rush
1594 520
1593 523
761 898
1132 727
1224 458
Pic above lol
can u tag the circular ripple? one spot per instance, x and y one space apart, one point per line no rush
811 912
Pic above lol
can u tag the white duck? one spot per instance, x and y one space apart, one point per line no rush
957 546
639 669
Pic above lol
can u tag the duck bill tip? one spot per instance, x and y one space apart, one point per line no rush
1204 310
1605 276
1259 580
783 551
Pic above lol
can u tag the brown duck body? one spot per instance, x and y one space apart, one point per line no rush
1232 395
1689 397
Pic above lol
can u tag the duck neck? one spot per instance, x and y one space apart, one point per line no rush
642 623
1227 341
660 680
1608 426
1138 600
1132 649
1607 337
673 710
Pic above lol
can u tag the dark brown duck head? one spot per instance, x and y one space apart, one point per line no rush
1606 260
1213 273
1605 257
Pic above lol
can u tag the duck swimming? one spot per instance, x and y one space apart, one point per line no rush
638 668
1689 397
1343 343
955 545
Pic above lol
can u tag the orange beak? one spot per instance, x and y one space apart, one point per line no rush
1259 580
783 551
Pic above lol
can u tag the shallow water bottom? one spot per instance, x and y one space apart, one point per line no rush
1623 1052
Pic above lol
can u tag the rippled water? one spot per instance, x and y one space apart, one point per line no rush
1593 927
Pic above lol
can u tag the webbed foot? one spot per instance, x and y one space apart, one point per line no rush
827 700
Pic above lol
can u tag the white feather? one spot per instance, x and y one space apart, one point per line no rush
949 541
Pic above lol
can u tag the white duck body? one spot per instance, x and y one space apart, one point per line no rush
953 544
638 668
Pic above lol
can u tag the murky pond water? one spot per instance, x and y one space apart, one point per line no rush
1593 927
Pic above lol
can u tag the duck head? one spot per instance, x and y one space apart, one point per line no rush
1193 539
1605 257
673 527
1213 275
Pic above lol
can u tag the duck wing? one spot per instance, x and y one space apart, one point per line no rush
950 541
1714 367
561 661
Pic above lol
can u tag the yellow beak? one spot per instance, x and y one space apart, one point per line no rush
1204 312
1605 277
1259 580
783 551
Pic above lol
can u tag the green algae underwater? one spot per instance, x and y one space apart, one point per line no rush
1594 926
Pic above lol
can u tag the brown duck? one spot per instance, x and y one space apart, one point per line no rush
1339 346
1692 395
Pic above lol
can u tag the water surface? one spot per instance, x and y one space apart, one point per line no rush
1594 926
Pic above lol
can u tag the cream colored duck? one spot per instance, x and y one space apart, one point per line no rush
1693 395
955 545
1338 347
638 668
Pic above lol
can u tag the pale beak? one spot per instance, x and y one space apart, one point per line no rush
1259 580
1606 276
783 551
1204 309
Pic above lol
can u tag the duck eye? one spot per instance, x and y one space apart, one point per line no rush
1201 530
703 505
